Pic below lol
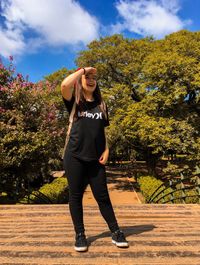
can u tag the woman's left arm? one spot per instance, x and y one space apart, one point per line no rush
104 157
106 140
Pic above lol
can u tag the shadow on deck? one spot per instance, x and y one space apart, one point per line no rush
157 234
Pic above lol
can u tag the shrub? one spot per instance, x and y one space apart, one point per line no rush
32 131
149 184
54 192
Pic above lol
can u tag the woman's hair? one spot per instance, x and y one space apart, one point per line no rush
81 101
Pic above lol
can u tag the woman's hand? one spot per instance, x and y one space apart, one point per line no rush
104 157
90 70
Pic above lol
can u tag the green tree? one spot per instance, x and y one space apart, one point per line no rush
152 91
32 131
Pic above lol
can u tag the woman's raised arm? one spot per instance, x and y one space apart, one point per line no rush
68 83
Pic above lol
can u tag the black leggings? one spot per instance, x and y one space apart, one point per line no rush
80 173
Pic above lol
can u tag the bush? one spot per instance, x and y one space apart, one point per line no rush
187 192
54 192
149 184
4 199
32 130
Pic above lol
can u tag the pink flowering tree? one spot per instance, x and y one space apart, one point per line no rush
32 127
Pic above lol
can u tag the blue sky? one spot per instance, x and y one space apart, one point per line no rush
46 35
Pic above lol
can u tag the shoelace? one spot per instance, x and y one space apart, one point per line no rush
81 237
120 236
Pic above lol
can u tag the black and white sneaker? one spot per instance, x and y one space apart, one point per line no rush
119 239
81 242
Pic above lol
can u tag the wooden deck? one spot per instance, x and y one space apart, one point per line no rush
43 234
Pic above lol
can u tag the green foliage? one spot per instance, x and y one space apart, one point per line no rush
32 130
57 77
55 192
149 185
152 88
5 199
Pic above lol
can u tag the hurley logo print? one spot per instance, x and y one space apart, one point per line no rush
90 115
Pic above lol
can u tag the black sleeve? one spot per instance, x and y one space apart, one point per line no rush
69 103
106 123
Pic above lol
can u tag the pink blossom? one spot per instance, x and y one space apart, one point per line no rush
2 109
19 75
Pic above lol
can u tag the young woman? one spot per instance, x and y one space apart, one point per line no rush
87 153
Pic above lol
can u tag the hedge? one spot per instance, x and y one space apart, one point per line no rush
54 192
148 184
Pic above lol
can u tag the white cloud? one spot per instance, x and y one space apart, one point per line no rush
172 6
149 17
53 23
11 40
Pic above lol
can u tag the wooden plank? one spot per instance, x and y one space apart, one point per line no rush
43 234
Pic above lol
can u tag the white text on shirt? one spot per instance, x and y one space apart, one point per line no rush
90 115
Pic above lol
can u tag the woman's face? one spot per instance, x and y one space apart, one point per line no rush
89 82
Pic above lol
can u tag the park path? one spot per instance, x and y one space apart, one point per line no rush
120 188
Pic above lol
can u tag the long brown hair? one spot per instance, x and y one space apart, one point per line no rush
81 101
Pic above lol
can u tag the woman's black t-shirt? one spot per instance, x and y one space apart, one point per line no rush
87 137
